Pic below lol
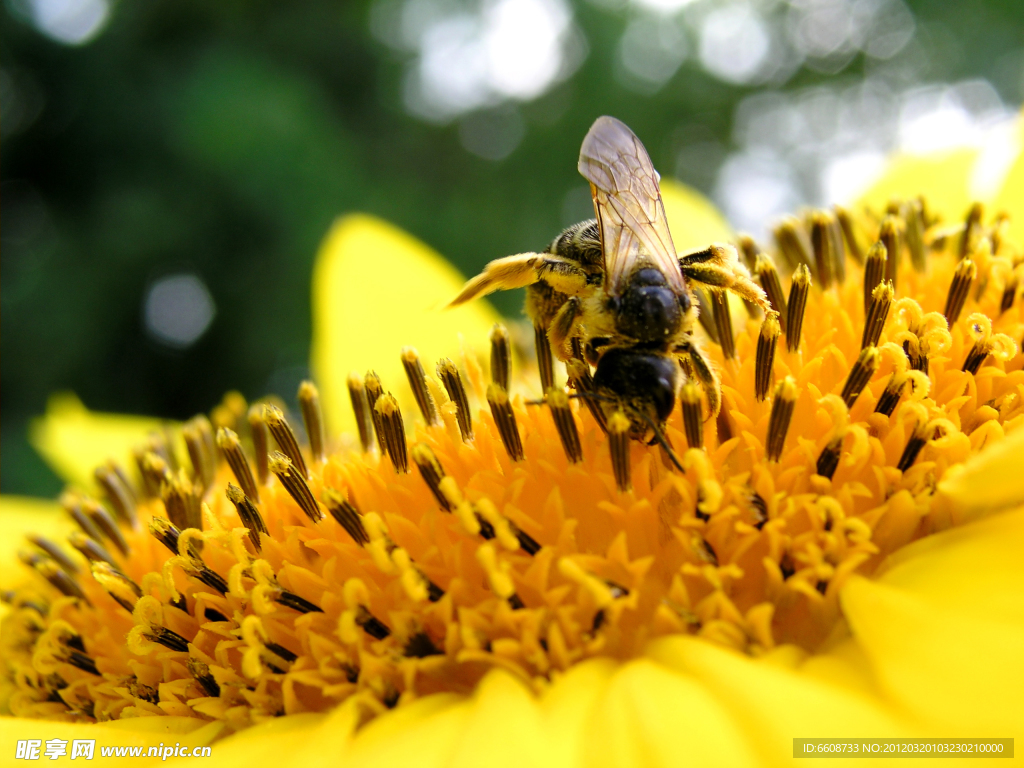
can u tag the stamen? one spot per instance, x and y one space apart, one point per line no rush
581 379
965 273
120 497
155 472
420 646
56 553
693 423
260 443
972 226
889 236
124 591
874 271
372 626
722 424
1009 293
975 357
618 444
374 390
565 424
391 431
793 243
723 323
73 506
295 484
418 382
877 314
91 549
501 356
102 520
248 514
53 573
165 532
913 216
783 402
860 375
891 396
849 233
361 408
505 421
313 419
296 603
204 464
432 472
748 250
917 441
201 673
231 448
285 438
452 380
798 291
347 515
167 638
827 258
764 269
764 360
545 363
828 461
182 500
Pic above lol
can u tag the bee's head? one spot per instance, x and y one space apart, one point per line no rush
648 309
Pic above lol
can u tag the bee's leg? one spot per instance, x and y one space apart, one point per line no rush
704 374
525 269
563 324
719 266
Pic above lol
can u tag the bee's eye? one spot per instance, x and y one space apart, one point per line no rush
684 302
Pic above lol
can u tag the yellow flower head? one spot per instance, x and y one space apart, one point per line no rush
269 567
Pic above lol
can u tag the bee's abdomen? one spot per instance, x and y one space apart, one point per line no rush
639 377
581 243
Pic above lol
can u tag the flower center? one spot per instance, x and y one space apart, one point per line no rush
266 581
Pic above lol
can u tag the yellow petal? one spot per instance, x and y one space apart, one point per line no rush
986 483
567 706
503 727
75 440
19 516
944 177
773 704
1011 196
377 289
694 220
944 627
278 742
422 733
652 716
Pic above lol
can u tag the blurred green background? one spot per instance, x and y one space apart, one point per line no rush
168 168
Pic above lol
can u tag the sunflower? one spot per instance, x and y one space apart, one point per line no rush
436 569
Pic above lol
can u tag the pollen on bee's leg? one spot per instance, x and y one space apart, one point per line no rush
119 495
361 409
545 362
565 424
501 356
392 431
313 419
877 314
783 402
374 390
849 233
828 253
889 236
260 444
723 323
860 374
796 305
965 273
432 472
449 375
200 449
918 439
505 421
874 271
231 448
285 438
295 484
248 514
182 499
693 421
418 383
764 269
618 444
765 356
347 515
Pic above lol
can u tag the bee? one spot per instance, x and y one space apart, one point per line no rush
613 291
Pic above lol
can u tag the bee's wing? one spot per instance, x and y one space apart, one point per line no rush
627 200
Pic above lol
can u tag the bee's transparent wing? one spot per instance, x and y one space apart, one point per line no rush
627 200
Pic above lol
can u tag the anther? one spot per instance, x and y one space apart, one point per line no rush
693 422
120 497
889 236
260 443
183 501
828 460
545 363
72 505
452 380
913 216
285 438
501 356
783 402
313 419
361 409
723 425
965 273
374 390
165 532
890 398
849 233
798 291
582 380
917 441
204 461
860 374
618 444
827 257
723 323
102 520
391 431
372 626
505 421
431 471
792 242
876 315
972 226
420 646
91 549
56 553
565 424
167 638
748 250
296 603
154 471
418 382
295 484
60 579
123 590
976 356
248 514
1009 294
874 271
347 515
231 449
202 675
765 357
768 276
